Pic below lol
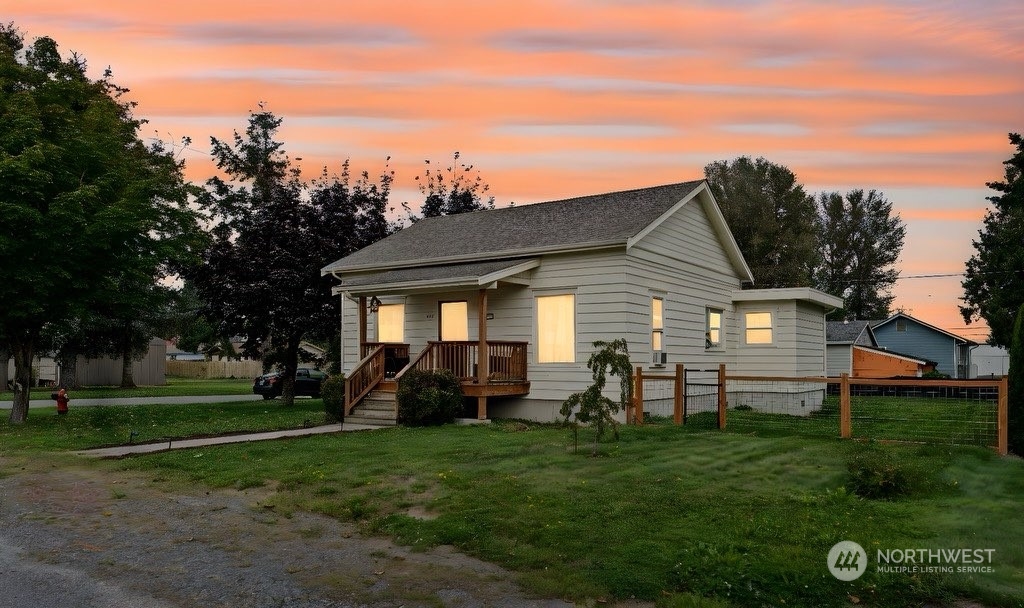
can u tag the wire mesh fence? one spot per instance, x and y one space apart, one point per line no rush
925 412
788 406
928 411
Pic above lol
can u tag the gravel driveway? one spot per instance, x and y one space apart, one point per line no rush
91 538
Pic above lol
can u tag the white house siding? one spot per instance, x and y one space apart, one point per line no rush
839 360
683 262
798 350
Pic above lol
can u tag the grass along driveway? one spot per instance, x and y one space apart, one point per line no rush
175 387
665 514
91 427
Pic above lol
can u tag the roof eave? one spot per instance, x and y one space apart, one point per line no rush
476 257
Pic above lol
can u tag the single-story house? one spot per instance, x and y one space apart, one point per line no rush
852 349
904 334
512 299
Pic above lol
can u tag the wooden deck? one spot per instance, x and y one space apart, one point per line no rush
383 365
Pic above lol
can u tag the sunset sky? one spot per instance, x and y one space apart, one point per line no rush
561 98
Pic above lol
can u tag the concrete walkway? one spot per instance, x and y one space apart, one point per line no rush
179 444
37 403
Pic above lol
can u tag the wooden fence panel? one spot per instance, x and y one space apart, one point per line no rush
214 369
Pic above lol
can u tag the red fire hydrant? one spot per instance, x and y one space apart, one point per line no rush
62 402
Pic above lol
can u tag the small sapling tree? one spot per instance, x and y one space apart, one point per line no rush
591 406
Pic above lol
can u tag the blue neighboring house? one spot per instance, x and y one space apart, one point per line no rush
903 333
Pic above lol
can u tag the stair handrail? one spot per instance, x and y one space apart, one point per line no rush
364 377
415 361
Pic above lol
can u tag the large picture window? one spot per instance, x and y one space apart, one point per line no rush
391 323
713 329
759 327
556 329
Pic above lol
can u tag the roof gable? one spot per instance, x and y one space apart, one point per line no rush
901 315
602 220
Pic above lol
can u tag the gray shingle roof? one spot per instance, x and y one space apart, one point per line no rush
447 272
846 332
602 219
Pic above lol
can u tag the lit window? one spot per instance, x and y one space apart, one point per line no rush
556 329
454 321
657 324
759 327
901 325
391 323
713 330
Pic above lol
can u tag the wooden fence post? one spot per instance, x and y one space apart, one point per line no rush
638 397
845 429
1003 417
721 395
680 397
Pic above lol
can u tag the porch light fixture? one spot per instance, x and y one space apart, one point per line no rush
374 304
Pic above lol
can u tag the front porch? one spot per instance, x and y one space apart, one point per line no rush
485 368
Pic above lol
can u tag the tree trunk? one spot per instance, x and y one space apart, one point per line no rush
22 380
5 357
127 375
68 362
291 364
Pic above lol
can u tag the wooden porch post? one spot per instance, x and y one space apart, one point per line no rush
482 358
722 397
845 428
679 395
362 326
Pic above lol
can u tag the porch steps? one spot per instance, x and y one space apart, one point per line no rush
377 409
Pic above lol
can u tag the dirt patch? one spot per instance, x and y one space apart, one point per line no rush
83 536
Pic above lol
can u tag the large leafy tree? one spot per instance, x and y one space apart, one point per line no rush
452 190
861 240
994 279
84 201
771 216
272 233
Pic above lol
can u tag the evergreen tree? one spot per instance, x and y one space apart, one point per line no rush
1016 377
861 241
771 217
994 279
272 234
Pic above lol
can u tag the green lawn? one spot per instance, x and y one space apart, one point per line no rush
89 427
175 387
667 513
680 515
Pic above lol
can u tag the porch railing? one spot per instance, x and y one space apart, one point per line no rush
364 377
506 361
396 355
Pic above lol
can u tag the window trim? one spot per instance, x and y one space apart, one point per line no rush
655 329
770 327
708 344
536 326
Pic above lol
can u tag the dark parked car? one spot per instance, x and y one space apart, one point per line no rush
307 382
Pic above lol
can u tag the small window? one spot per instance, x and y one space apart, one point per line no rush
759 327
391 323
556 329
901 325
713 329
657 324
